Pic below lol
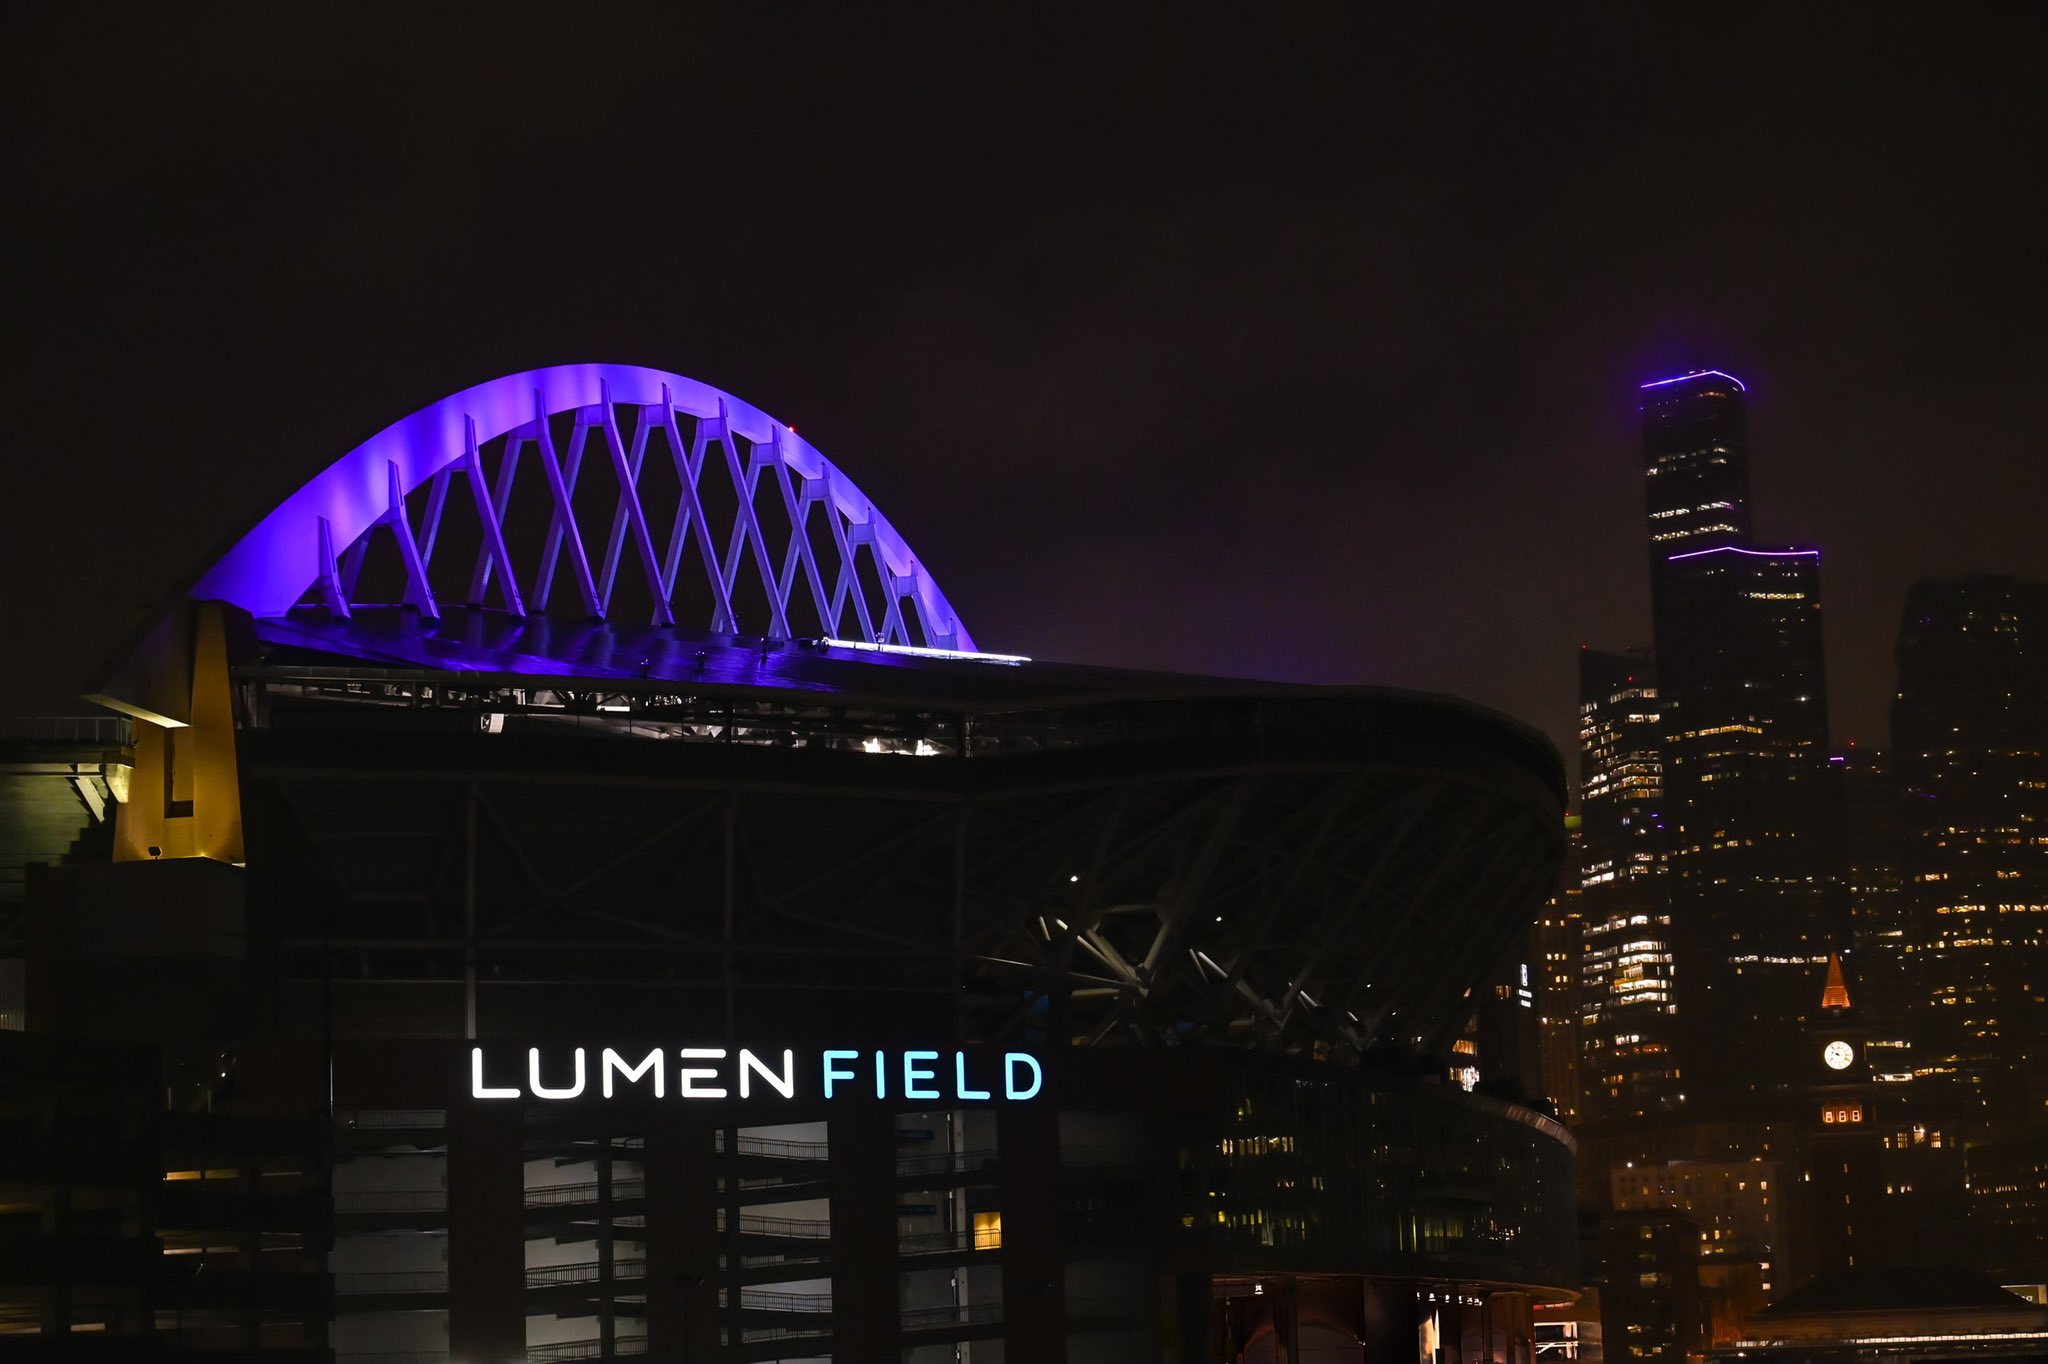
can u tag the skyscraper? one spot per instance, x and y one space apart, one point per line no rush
1559 944
1970 733
1869 805
1744 718
1696 464
1627 1004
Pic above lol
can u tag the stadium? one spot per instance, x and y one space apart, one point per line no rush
574 889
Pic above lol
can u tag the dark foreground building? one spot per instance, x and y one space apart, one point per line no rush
475 984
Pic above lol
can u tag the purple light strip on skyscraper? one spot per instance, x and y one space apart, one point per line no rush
1701 374
1754 553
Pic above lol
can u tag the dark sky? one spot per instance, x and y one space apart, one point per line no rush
1278 341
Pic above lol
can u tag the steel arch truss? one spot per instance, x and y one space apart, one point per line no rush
753 531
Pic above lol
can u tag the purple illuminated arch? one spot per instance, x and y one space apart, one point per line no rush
1752 553
1740 387
314 541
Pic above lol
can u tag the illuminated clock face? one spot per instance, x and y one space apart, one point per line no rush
1838 1055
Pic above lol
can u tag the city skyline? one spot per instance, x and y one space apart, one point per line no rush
1283 430
1476 786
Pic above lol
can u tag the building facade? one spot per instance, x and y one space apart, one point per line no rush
1627 990
796 982
1970 730
1559 947
1742 695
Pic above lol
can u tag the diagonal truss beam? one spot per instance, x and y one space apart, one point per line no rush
629 514
691 523
746 530
562 526
490 514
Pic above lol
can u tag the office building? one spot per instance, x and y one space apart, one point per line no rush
1696 462
1877 906
1742 696
1739 1210
1629 1064
1649 1280
1970 739
1559 947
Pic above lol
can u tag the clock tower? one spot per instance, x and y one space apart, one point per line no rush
1843 1125
1838 1064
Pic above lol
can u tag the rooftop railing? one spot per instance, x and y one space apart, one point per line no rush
950 1239
585 1349
587 1271
774 1300
791 1228
566 1195
107 731
776 1148
941 1315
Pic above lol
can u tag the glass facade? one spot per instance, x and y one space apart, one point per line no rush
1970 729
1341 1174
1627 994
1696 459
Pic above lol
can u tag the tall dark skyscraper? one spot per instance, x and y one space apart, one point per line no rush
1869 804
1559 944
1970 734
1744 715
1696 463
1627 1005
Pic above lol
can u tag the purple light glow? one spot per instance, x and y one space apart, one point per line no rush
1740 387
273 565
1753 553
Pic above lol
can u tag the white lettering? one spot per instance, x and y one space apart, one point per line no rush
634 1074
541 1091
691 1075
785 1084
477 1088
702 1074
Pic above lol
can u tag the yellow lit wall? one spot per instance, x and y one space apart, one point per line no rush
185 795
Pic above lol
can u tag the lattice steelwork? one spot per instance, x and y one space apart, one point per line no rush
1287 872
763 529
645 813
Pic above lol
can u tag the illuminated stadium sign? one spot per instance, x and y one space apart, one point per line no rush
709 1073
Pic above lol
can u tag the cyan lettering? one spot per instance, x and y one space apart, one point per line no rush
960 1089
1010 1063
834 1073
913 1072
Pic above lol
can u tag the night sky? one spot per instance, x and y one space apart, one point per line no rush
1278 342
